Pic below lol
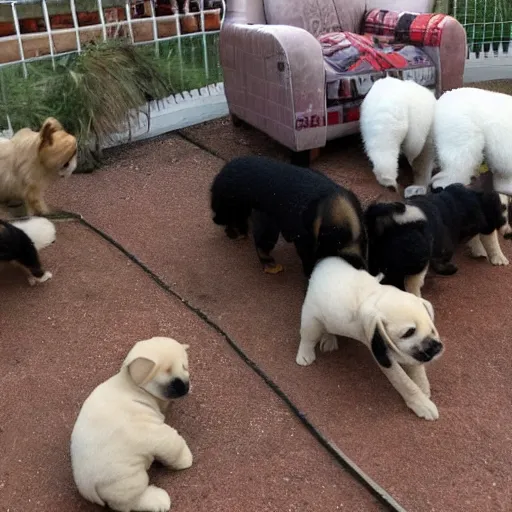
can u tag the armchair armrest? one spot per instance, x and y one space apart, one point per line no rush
442 37
274 79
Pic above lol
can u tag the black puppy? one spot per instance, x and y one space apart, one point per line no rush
20 242
320 217
405 238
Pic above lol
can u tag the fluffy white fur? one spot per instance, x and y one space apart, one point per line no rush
393 324
40 230
470 125
397 116
120 430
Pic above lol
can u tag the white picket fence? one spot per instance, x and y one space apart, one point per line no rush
175 112
488 25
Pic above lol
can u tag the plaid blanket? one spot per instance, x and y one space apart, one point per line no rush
405 27
354 62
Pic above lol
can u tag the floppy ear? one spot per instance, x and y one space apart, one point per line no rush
429 308
142 370
50 126
379 345
378 339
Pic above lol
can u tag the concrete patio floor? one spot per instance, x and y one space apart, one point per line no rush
62 338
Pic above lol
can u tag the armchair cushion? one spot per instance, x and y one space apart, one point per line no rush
405 27
354 62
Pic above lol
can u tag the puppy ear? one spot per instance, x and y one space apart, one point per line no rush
379 345
50 126
142 370
429 308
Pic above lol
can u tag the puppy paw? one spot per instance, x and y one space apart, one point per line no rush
305 356
476 248
185 459
32 281
388 183
498 259
424 408
328 343
153 499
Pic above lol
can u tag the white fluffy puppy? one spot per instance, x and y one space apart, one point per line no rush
120 429
396 326
397 116
470 125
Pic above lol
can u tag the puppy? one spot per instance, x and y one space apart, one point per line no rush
470 125
20 242
120 430
396 117
30 161
396 326
320 217
406 238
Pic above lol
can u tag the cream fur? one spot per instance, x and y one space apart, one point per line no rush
347 302
396 116
471 124
30 161
120 430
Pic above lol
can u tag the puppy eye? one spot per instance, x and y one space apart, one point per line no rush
503 207
410 332
65 166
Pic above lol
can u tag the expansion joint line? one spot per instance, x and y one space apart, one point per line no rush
345 462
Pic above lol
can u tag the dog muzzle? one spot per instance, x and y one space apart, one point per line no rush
177 388
430 349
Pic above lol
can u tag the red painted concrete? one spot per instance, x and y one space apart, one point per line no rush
153 197
60 339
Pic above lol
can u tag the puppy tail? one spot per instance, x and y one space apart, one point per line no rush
40 230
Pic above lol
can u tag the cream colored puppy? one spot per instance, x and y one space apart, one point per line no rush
30 161
396 326
120 430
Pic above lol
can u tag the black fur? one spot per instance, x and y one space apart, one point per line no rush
288 200
15 245
454 215
379 349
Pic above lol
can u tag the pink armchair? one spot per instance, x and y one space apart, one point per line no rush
299 70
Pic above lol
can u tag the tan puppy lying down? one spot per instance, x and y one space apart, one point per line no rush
120 430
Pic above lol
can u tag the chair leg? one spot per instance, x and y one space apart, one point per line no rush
237 122
305 158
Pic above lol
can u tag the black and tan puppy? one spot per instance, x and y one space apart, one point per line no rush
406 238
320 217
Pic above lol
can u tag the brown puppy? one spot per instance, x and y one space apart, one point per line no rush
30 161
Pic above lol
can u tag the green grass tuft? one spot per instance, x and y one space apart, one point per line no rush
487 22
92 93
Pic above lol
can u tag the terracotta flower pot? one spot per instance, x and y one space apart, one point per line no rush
7 29
190 23
212 20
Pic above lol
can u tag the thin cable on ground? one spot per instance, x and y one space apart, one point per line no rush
375 489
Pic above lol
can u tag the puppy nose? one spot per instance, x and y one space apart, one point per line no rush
178 388
434 348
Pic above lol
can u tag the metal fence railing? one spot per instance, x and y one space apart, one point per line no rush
185 31
36 34
488 25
